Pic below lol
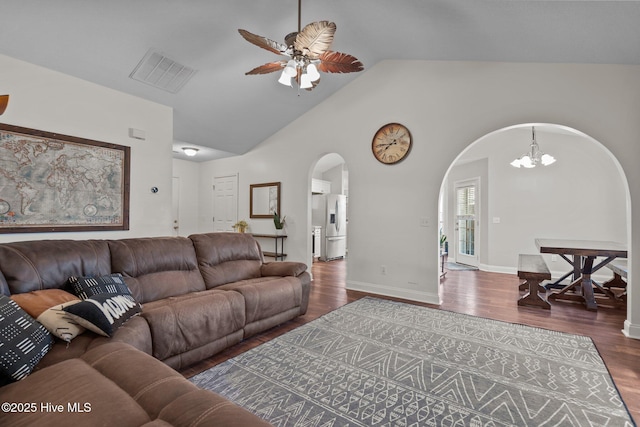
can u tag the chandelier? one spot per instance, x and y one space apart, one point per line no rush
534 157
308 53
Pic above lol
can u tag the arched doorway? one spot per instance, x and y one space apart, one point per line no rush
584 195
329 195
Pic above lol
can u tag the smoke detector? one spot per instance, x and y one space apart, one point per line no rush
161 72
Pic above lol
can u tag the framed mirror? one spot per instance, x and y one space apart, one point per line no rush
264 199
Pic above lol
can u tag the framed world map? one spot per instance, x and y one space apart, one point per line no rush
52 182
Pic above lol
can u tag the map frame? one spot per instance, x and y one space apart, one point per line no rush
54 223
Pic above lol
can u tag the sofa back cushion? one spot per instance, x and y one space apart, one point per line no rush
156 267
46 264
227 257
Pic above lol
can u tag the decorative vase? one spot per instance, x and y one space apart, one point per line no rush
279 231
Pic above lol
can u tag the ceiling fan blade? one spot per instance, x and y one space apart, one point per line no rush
315 39
336 62
4 101
263 42
267 68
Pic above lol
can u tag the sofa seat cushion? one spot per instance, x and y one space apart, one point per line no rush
72 382
135 333
267 296
213 409
117 385
183 323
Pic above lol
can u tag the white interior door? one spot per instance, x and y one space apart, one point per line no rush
466 222
175 204
225 202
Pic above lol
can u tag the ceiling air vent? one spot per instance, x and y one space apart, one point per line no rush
157 70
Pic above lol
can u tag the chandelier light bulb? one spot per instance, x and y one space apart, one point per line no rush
548 159
526 162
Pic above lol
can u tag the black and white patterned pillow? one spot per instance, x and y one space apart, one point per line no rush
23 341
104 313
59 323
85 287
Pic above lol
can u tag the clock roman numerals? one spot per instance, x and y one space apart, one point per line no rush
391 143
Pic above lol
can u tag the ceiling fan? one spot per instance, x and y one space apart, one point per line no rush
4 101
308 53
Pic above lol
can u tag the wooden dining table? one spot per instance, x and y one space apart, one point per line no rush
584 254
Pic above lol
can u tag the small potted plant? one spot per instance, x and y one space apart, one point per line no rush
278 221
444 246
241 226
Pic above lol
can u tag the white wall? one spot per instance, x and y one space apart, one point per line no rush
49 101
336 176
581 196
447 106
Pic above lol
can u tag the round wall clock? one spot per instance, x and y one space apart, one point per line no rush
391 143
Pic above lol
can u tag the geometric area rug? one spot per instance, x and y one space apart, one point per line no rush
375 362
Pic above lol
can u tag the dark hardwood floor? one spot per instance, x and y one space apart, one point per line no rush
490 295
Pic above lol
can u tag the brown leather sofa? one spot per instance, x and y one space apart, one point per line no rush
199 295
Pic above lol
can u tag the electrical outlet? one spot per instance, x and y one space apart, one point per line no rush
383 269
554 258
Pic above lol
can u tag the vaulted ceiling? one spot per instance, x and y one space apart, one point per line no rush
224 112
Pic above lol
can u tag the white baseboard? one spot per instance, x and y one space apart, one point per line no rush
498 269
408 294
631 331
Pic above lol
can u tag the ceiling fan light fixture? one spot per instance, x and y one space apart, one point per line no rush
308 52
285 79
291 69
312 72
305 81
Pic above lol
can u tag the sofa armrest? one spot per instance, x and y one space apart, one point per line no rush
283 268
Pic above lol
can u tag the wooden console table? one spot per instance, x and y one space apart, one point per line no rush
278 253
443 259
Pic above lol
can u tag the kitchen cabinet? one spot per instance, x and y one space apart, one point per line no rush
320 186
316 239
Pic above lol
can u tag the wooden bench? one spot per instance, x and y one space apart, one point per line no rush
534 271
620 269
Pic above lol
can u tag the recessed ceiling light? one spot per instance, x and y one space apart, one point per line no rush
190 151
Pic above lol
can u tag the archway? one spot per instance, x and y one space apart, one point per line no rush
328 213
584 195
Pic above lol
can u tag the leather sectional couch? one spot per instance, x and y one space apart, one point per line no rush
197 296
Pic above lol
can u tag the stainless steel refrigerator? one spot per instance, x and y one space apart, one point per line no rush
330 212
